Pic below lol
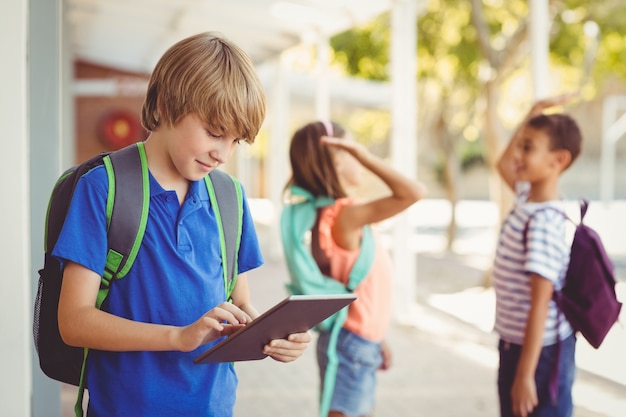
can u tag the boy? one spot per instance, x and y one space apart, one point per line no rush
526 273
203 98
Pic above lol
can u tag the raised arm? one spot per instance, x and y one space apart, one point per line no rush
404 191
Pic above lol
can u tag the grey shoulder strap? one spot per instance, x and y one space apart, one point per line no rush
127 207
227 201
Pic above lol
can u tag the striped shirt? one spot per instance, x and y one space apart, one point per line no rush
546 253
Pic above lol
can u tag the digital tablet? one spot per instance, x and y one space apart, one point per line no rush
294 314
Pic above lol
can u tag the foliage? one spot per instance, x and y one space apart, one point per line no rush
469 53
370 126
450 56
448 46
456 56
447 43
364 51
573 37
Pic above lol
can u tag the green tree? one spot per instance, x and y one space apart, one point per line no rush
467 51
590 36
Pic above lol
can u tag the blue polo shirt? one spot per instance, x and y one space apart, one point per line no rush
176 278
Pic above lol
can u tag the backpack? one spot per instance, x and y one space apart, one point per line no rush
588 299
297 219
127 214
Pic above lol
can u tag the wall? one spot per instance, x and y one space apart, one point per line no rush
91 110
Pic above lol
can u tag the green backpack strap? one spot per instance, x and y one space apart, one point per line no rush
127 215
127 207
364 260
359 271
296 221
226 199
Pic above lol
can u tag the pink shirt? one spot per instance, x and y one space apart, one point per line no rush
370 314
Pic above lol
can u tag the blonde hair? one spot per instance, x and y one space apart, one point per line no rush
210 76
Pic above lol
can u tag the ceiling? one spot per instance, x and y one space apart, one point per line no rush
131 35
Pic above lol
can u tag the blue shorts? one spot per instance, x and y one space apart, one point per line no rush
509 357
355 386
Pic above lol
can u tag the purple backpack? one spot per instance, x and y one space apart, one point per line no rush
588 298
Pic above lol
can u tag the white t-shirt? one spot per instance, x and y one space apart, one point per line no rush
546 253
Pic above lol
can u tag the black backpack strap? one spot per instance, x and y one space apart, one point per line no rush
226 199
127 207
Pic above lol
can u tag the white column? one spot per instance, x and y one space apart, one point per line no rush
539 47
322 92
277 155
404 147
15 289
607 164
613 128
51 148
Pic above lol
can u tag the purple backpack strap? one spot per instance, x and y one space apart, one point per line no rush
583 210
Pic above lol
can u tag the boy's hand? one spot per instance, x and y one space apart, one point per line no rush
547 103
524 396
290 349
222 320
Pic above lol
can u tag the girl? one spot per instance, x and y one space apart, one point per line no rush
326 164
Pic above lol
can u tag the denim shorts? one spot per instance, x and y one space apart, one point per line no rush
355 386
563 406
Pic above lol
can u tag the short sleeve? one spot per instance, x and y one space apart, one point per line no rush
83 238
547 252
250 255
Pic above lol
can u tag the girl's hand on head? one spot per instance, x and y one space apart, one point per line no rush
348 145
222 320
